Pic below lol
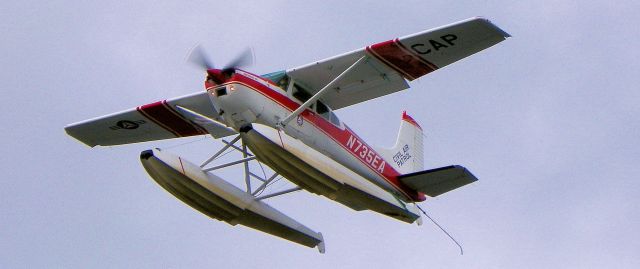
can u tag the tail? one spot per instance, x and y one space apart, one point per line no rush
407 156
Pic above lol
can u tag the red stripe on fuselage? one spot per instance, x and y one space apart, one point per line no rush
162 114
401 59
338 135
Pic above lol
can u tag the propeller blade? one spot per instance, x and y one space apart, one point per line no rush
244 59
198 57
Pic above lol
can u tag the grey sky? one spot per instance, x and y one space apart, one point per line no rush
547 120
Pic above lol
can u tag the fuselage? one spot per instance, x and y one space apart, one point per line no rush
245 99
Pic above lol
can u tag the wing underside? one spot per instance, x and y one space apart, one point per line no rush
391 63
184 116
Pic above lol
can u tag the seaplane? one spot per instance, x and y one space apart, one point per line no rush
286 121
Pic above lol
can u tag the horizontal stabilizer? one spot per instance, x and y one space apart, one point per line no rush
438 181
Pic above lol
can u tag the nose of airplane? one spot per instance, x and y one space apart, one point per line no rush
216 77
198 57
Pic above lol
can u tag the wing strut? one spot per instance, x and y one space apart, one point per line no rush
317 96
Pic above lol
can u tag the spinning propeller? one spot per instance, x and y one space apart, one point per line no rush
199 58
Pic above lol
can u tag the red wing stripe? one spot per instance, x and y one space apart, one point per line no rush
390 64
163 115
159 123
408 51
399 58
200 129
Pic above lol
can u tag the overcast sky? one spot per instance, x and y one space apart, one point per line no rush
547 120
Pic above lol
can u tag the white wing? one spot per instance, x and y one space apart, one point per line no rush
155 121
390 63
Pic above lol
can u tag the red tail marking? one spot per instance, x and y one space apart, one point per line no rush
409 119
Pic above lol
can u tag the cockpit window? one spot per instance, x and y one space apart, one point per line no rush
283 83
275 76
335 120
325 112
300 93
322 108
280 78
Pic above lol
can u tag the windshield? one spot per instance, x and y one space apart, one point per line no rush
280 78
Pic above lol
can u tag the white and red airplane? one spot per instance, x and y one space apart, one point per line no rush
286 120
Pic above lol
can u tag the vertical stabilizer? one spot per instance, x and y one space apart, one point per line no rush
407 156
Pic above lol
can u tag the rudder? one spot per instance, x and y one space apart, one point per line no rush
407 156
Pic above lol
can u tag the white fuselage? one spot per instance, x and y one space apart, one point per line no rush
250 99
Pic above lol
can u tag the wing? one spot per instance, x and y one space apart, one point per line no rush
391 63
178 117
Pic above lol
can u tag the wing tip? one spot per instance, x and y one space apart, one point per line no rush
503 33
69 129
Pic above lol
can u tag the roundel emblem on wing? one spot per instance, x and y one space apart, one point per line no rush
127 124
299 120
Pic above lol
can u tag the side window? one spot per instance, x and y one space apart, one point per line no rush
300 93
335 120
322 109
325 112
